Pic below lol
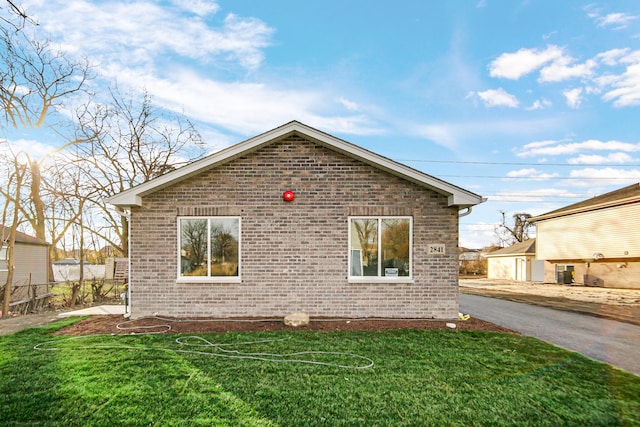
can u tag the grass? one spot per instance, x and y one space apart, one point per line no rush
419 378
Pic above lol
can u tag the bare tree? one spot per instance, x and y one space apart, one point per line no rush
14 17
129 141
194 244
12 202
366 230
35 78
518 232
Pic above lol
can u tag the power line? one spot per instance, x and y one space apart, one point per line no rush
549 196
616 165
538 178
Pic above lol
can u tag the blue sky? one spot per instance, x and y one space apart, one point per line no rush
532 104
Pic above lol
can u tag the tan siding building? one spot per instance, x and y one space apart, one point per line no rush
31 261
597 240
517 262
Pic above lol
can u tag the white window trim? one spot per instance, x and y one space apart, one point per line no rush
380 279
208 279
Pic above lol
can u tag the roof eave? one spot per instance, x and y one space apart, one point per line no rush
133 196
456 196
611 204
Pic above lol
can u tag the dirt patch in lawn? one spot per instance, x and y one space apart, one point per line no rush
117 325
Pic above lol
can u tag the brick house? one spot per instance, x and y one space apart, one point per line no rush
294 220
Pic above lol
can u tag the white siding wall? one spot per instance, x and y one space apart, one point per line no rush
63 273
614 232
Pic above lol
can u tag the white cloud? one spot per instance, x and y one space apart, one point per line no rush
573 97
453 134
498 98
531 174
632 57
199 7
540 104
477 235
248 107
524 61
441 134
539 144
532 196
626 86
349 105
616 20
599 159
591 177
138 33
557 148
35 149
560 70
140 44
612 57
619 86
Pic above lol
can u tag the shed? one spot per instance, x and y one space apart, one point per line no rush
31 262
516 262
294 220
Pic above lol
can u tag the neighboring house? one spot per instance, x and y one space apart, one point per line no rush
294 220
469 261
595 242
31 262
517 262
470 255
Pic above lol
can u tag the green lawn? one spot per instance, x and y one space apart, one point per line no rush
429 378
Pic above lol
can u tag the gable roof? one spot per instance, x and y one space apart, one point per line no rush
456 195
528 247
622 196
20 237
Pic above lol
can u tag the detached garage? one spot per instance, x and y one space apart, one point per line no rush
517 262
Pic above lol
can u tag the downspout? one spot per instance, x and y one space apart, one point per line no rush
464 212
127 307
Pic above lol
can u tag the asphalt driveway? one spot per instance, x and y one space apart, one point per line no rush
608 341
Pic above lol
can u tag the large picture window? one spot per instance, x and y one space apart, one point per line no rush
209 247
380 247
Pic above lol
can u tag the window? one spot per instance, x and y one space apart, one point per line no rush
209 247
380 247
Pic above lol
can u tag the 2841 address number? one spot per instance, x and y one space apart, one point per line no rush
436 249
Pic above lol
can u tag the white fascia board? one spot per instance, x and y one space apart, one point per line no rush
133 196
456 196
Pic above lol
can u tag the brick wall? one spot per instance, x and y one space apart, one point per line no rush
294 256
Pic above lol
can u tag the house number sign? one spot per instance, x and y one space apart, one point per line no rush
435 249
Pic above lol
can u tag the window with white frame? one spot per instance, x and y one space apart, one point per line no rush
209 247
380 247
